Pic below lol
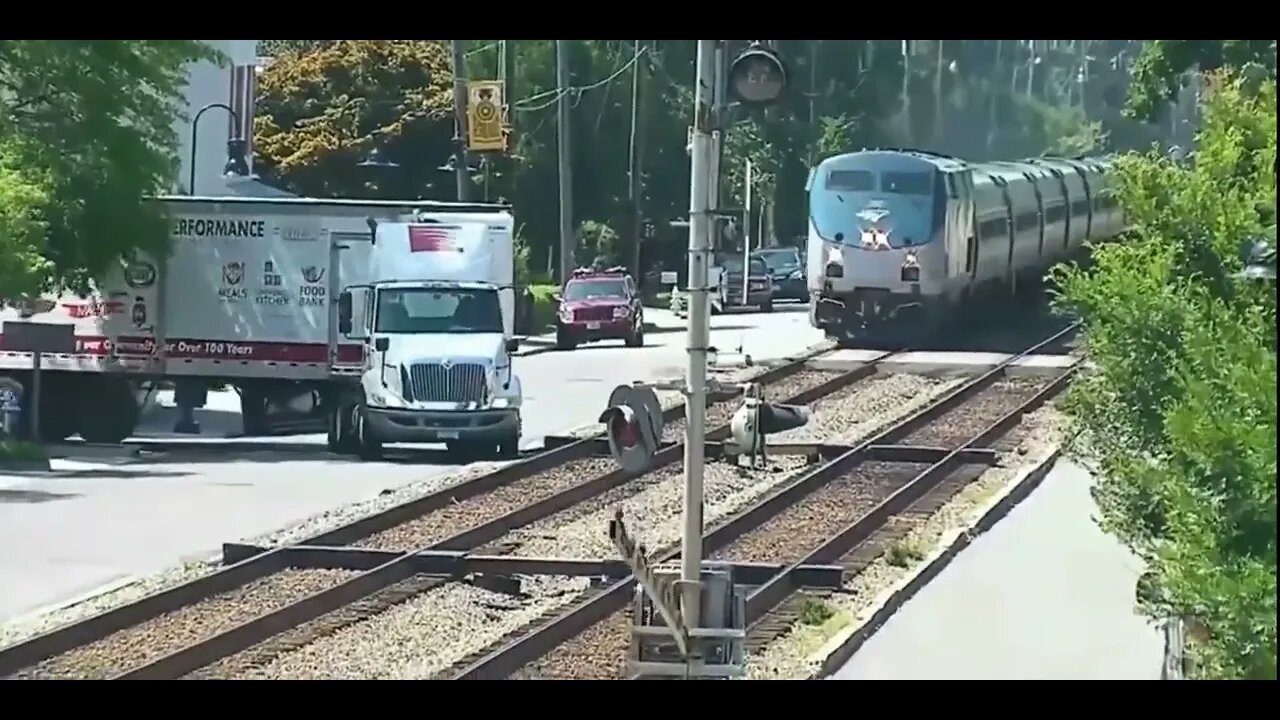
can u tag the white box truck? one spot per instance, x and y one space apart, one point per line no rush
395 318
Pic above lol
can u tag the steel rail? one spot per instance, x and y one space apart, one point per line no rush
505 660
96 627
767 596
255 630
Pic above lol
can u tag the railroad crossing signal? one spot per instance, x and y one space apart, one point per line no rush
486 116
633 423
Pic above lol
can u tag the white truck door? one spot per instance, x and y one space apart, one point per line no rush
348 256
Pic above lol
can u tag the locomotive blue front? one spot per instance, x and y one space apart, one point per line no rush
876 240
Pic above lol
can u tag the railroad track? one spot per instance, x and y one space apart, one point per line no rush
837 512
266 595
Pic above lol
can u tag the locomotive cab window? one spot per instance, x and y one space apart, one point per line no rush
907 183
851 181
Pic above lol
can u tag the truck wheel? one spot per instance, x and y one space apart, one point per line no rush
253 412
509 447
564 341
635 339
114 415
369 447
338 435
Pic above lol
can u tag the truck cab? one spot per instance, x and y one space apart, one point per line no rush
436 325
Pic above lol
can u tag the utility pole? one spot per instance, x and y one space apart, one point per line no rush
906 90
995 77
937 96
720 99
460 120
746 230
634 170
563 156
704 119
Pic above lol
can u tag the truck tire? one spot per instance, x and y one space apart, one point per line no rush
368 446
565 341
114 413
509 447
635 338
253 412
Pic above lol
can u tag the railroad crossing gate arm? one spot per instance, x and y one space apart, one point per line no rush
660 592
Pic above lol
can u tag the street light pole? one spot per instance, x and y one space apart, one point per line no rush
195 135
699 328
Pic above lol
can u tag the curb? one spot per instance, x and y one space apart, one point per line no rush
550 346
844 645
24 466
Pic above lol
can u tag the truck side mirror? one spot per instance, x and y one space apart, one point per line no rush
344 312
513 345
381 344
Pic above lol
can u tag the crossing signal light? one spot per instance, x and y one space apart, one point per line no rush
633 424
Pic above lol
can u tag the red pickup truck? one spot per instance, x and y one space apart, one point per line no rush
599 305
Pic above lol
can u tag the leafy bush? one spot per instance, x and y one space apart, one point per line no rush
17 451
1179 416
544 307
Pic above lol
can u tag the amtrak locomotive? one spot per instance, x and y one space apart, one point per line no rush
900 241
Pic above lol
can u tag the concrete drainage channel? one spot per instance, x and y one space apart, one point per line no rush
494 547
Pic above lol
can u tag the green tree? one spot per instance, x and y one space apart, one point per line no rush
324 108
87 130
1179 415
1158 70
23 268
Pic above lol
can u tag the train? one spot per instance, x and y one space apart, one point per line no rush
903 242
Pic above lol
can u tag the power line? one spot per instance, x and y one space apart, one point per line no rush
554 95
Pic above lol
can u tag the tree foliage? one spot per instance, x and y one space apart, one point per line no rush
1180 414
1159 68
87 129
322 110
974 99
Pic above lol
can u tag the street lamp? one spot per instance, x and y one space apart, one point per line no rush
374 165
236 163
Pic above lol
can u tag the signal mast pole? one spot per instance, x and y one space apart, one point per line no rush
699 333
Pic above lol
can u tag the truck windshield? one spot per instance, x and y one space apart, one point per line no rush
733 264
438 310
779 259
589 289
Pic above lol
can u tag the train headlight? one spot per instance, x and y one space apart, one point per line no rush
910 267
834 267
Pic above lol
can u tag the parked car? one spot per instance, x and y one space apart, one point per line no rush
758 292
786 268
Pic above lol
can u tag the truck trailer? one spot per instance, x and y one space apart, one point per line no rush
394 319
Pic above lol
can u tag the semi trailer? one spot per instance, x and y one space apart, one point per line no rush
388 321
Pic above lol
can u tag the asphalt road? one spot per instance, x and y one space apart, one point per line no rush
87 524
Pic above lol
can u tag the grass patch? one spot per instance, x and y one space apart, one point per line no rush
18 451
815 612
903 553
544 307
